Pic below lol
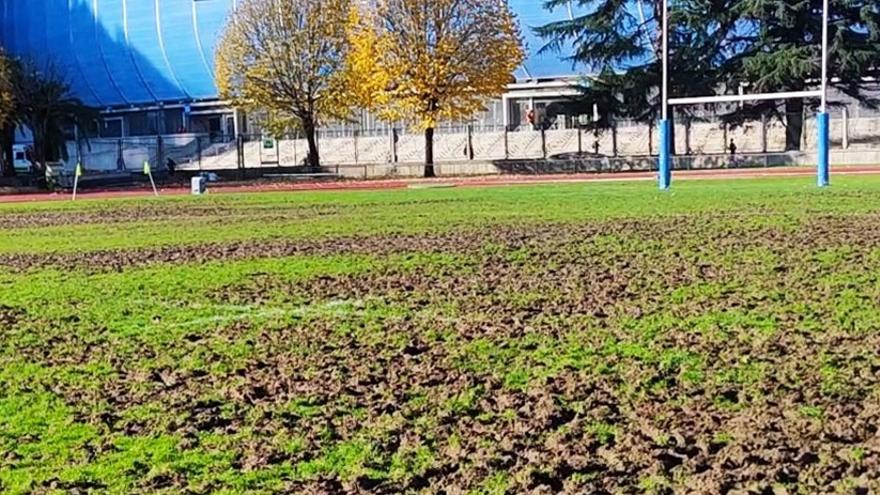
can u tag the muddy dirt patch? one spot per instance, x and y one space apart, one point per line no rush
728 234
678 355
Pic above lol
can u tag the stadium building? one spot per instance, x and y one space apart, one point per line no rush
148 64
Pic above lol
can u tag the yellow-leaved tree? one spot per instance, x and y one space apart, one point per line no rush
365 85
425 61
7 109
6 97
287 58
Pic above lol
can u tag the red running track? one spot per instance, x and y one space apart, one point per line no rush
481 181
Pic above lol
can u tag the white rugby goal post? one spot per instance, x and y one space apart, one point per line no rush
823 140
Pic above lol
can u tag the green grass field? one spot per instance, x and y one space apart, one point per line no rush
577 339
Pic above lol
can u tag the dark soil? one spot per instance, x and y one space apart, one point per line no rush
681 355
155 213
727 234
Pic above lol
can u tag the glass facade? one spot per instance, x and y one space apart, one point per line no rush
130 53
119 53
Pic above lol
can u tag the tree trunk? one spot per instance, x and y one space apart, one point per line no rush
314 159
614 139
39 155
7 157
44 155
429 152
794 123
687 137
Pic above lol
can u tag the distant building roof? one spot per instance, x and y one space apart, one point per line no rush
119 53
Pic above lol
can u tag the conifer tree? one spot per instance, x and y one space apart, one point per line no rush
781 51
714 47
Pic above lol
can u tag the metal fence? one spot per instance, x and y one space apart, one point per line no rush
397 151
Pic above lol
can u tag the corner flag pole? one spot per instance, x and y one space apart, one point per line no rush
76 174
665 161
149 173
823 141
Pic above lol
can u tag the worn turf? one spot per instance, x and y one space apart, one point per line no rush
608 338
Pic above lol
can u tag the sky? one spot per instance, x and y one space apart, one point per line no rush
531 14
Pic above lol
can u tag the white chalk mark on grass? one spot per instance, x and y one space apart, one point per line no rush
224 319
336 308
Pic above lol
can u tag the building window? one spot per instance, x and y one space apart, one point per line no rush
143 123
174 121
111 127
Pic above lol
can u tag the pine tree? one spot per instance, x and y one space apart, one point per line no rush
619 43
715 46
782 52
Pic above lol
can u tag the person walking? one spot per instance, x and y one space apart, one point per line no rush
732 149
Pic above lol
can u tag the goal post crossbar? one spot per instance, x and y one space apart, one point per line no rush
664 162
701 100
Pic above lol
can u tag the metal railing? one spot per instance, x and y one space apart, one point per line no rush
396 150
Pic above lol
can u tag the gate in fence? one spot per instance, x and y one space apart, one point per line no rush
269 152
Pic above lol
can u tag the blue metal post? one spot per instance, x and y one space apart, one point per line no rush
665 160
822 168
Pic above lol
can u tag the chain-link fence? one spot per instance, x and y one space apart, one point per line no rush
390 151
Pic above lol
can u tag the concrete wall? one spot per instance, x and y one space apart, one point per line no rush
376 154
605 164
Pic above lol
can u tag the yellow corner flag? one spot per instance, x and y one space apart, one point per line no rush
146 168
79 170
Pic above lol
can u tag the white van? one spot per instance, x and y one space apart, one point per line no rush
19 158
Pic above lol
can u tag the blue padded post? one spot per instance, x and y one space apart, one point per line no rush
822 166
665 159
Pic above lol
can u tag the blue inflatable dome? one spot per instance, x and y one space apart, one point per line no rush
118 53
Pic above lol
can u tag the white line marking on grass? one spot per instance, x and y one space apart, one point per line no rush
337 308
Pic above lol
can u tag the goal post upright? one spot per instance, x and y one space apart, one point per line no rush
823 144
823 138
664 165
